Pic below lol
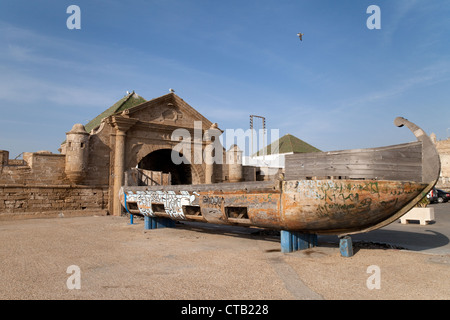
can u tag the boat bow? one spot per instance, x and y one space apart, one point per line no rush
431 167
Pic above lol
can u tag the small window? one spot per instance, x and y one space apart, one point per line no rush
156 207
192 210
132 206
236 212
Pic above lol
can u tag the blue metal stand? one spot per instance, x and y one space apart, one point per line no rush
286 241
131 219
158 223
294 241
346 246
165 223
148 223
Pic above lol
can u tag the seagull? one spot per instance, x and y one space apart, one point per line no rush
300 36
171 90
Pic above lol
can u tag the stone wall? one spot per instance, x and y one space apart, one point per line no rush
443 148
38 187
18 201
37 168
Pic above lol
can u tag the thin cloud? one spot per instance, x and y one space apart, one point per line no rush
427 76
28 89
397 16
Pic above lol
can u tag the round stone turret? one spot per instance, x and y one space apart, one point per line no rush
234 160
77 151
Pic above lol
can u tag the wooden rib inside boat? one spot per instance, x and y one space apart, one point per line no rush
339 192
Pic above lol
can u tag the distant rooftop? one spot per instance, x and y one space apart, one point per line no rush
128 101
287 144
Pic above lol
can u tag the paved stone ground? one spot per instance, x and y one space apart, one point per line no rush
431 238
198 261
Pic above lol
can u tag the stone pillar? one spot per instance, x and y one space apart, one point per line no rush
122 125
4 157
119 163
209 163
211 153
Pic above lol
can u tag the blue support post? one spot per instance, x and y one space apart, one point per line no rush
131 219
147 223
313 240
158 223
303 241
286 241
294 241
165 223
346 246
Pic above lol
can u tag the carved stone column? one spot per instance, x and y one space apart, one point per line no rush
121 124
211 155
209 163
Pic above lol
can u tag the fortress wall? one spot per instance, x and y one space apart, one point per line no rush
37 187
443 147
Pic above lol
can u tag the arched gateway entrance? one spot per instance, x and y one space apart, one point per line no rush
161 160
141 135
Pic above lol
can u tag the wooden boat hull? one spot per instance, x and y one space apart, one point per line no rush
309 206
306 204
344 206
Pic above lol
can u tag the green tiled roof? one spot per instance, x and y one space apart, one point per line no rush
127 102
286 144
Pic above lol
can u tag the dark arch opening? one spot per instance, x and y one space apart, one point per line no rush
161 160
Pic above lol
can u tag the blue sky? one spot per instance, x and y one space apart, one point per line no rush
340 88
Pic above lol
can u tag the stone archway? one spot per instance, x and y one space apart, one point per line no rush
137 152
161 160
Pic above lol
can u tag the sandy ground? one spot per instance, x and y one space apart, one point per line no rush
122 261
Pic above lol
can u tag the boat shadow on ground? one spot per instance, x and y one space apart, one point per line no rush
233 231
393 239
377 239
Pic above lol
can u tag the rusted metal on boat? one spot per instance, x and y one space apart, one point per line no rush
343 206
342 192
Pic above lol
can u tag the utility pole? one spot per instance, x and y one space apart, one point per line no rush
264 131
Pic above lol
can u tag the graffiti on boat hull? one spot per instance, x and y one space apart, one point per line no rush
173 203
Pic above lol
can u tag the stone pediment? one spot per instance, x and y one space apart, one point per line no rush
168 110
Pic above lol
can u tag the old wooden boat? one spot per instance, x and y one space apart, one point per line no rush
340 192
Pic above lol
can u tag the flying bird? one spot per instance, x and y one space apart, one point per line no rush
300 35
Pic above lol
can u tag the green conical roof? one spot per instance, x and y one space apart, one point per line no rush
287 144
127 102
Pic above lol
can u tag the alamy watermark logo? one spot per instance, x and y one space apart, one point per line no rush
207 147
74 20
374 21
74 280
374 280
